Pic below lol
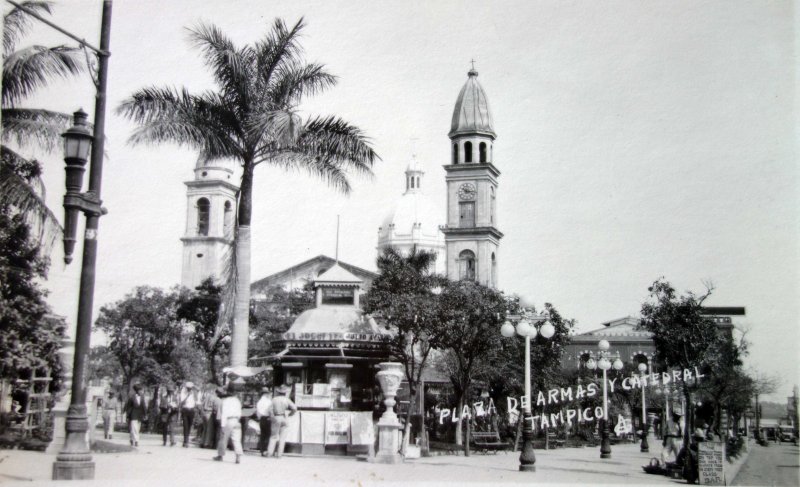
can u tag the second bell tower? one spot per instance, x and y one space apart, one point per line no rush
472 239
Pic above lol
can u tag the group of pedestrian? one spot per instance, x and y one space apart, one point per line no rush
271 413
219 411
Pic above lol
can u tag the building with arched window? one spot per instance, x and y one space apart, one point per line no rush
414 220
210 216
472 238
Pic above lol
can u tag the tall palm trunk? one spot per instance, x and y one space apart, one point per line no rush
240 332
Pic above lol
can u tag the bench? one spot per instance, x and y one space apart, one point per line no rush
488 441
554 441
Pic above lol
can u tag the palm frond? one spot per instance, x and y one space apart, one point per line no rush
294 83
339 142
22 190
28 69
276 128
16 22
232 68
325 147
198 122
278 48
32 127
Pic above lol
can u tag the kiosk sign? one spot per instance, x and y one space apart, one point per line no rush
711 462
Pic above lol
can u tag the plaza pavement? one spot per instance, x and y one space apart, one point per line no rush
156 465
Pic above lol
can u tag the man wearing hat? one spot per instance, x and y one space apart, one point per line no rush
136 409
230 414
264 411
281 405
188 406
109 415
673 439
168 408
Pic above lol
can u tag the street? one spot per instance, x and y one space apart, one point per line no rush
777 464
154 465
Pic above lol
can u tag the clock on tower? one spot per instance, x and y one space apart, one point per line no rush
471 235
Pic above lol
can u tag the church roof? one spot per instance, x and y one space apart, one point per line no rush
623 329
471 113
337 276
309 270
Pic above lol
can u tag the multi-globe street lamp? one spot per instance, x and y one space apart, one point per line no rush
645 447
604 363
526 328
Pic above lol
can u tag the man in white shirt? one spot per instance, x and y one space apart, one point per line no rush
264 411
281 406
230 414
188 406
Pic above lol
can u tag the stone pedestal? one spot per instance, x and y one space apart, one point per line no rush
59 411
390 376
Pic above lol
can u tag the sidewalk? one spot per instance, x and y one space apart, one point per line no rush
155 465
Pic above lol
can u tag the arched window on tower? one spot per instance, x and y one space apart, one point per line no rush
482 152
455 153
203 211
228 220
467 151
494 272
492 204
412 182
466 265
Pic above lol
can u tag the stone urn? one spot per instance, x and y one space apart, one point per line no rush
389 377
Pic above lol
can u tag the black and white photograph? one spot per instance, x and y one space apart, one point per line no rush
365 243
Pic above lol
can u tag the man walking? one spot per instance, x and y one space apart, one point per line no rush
188 406
264 411
109 415
280 405
136 409
672 442
168 408
231 414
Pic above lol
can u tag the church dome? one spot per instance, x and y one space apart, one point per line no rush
415 218
471 114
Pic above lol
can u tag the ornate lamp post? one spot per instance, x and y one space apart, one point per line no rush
525 328
645 427
604 363
74 461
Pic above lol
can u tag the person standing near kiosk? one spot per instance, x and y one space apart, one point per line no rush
281 405
188 406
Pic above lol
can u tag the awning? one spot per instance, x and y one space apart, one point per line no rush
245 371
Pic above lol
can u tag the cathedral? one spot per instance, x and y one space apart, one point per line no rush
465 237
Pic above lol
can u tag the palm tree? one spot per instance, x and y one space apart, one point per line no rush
252 118
25 71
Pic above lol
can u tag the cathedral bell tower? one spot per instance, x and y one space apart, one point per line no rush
471 235
210 218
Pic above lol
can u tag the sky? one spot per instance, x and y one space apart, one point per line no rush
635 139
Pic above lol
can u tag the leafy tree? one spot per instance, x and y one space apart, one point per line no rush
684 338
144 335
24 72
201 309
508 366
29 335
403 298
274 316
252 118
471 316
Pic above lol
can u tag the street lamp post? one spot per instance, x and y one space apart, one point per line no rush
74 461
645 447
524 328
604 363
